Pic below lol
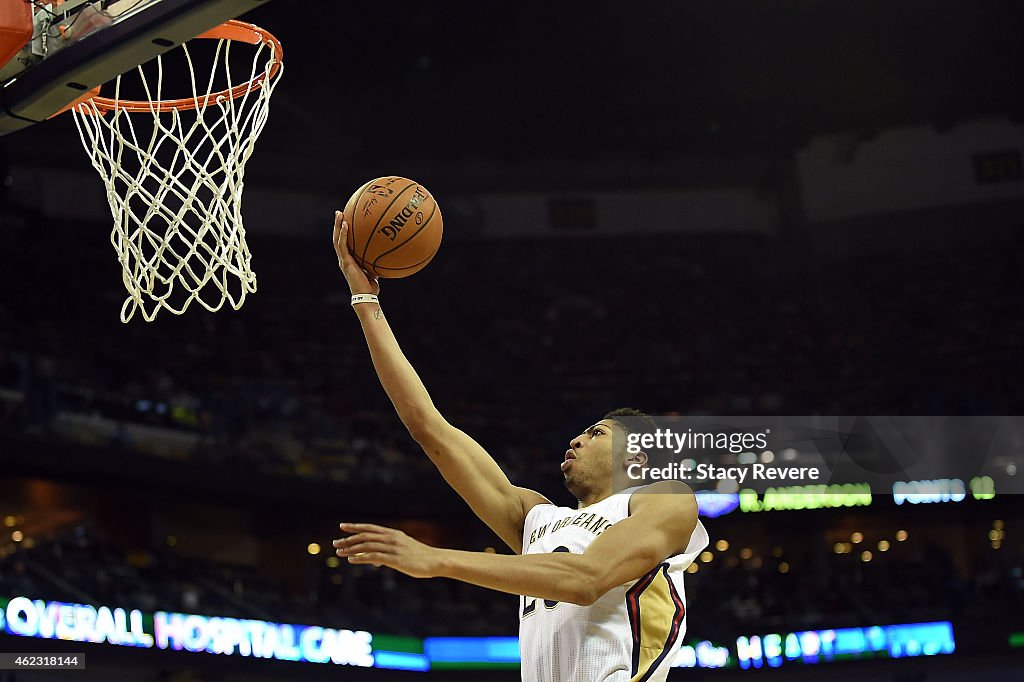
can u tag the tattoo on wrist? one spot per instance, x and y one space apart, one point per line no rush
378 313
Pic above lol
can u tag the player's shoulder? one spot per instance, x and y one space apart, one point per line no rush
662 496
533 502
530 498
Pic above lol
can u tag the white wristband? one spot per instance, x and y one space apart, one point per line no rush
364 298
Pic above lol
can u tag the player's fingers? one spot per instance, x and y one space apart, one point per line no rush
339 243
375 558
363 527
363 548
339 234
360 537
357 538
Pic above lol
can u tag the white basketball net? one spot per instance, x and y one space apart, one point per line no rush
174 185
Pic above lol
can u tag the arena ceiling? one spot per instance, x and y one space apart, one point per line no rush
481 84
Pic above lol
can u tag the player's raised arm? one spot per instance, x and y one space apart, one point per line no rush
463 463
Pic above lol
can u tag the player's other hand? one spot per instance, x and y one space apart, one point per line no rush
359 281
380 546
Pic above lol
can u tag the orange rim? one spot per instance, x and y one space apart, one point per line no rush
230 30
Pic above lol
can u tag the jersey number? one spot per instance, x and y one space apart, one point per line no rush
530 604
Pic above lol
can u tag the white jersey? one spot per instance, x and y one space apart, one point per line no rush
631 634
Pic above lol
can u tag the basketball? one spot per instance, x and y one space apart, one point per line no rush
394 226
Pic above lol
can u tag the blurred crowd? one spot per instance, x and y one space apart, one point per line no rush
79 565
807 588
748 591
521 343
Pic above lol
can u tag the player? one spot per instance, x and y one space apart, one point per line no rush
603 582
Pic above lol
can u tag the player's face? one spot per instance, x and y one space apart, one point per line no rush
588 460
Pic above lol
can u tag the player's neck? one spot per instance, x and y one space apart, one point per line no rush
594 498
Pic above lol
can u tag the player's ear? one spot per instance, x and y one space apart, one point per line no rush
638 458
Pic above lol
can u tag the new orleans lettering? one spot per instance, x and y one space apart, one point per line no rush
392 229
592 522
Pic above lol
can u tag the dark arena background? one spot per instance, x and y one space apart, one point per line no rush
731 208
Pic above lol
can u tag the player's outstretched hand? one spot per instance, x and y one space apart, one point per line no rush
359 282
380 546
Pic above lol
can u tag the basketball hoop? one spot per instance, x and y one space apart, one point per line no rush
173 170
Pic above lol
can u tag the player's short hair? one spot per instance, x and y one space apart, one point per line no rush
638 420
633 420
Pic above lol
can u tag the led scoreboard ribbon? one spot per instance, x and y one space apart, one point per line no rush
178 631
36 618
